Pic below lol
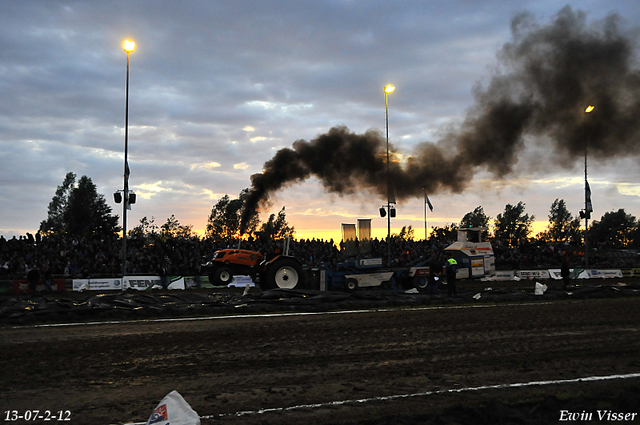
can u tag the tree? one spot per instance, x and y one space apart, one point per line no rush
277 227
55 223
447 233
147 228
615 229
79 211
144 233
562 225
224 220
173 229
513 226
406 233
476 218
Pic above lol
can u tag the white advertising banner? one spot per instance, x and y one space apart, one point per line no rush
604 274
176 282
241 281
532 274
501 275
588 274
106 284
573 274
141 283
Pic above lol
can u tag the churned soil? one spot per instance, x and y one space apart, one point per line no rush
437 360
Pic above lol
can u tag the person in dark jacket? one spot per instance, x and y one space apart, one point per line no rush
33 276
565 273
433 280
452 269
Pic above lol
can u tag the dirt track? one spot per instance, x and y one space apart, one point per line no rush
117 373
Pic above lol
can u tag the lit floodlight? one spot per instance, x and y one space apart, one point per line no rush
129 46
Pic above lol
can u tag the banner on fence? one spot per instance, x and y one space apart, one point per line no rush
604 274
106 284
241 281
22 285
630 272
501 275
141 283
532 274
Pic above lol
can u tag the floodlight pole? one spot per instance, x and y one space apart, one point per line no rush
587 200
388 89
128 48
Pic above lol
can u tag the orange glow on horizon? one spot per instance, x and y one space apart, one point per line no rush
380 233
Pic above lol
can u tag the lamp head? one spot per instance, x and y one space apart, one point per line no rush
589 108
129 46
389 88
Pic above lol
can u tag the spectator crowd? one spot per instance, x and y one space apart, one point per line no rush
171 256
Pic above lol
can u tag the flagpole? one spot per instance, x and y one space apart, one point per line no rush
425 213
587 195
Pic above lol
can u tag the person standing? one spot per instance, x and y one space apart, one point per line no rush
433 280
452 269
47 275
565 272
33 276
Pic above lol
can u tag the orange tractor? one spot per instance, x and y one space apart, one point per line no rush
281 271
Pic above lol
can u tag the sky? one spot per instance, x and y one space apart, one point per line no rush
220 88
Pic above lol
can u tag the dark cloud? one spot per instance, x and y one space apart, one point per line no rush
548 75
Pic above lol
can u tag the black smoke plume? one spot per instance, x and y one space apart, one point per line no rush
548 76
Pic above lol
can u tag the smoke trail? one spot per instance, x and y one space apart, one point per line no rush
550 74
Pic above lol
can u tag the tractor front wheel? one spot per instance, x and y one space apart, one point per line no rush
221 276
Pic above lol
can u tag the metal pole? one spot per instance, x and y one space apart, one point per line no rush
425 213
125 202
386 103
586 211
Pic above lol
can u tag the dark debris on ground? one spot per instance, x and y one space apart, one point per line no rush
140 305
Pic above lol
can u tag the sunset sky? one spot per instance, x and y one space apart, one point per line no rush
217 88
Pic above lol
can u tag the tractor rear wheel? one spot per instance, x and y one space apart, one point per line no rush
284 273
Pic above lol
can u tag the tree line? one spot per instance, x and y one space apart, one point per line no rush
513 227
77 210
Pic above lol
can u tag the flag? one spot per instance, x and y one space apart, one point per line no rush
588 207
391 195
429 203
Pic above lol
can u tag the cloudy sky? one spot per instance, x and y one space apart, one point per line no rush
217 88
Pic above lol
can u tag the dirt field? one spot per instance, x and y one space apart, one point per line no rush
437 361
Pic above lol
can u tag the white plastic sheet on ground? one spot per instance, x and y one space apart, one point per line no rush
174 410
540 288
